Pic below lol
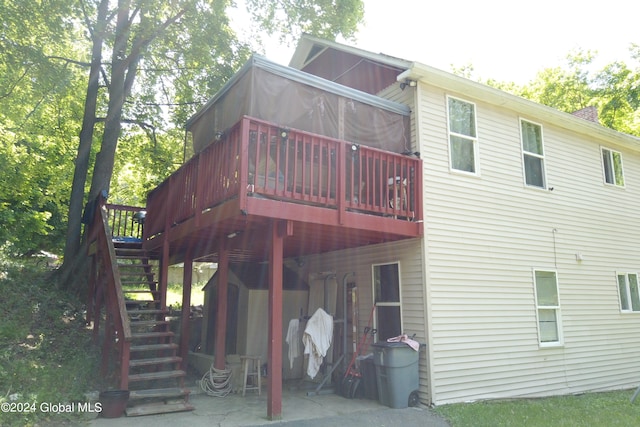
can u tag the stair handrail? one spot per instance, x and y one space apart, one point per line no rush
100 232
113 273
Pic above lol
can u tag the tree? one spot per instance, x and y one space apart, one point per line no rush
614 90
38 118
165 60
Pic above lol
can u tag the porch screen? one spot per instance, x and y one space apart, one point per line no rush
294 99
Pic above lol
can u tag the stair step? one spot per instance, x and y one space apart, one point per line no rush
137 291
144 335
145 323
133 363
138 265
133 273
158 393
135 256
137 283
141 301
138 312
153 347
158 408
162 375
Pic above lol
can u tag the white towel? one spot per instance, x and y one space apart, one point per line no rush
293 341
317 339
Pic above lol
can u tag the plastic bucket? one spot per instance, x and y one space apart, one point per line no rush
113 402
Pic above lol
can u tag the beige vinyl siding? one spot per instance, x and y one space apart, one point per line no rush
484 236
409 255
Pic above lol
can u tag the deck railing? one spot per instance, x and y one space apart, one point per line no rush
257 158
125 222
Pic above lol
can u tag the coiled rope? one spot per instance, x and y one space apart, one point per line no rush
216 382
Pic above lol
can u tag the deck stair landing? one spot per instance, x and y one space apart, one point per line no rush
156 381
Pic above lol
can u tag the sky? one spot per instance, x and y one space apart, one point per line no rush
502 40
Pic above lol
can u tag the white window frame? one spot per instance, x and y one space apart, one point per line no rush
536 155
472 139
612 167
627 292
556 308
386 304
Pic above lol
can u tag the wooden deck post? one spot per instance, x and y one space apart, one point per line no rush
185 328
221 309
274 399
164 273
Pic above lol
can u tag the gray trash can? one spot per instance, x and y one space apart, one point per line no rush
397 374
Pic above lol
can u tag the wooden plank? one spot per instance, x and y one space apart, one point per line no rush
149 323
153 347
157 375
144 335
221 318
158 408
154 361
274 398
185 329
155 393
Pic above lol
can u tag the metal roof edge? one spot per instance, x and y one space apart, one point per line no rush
304 78
307 41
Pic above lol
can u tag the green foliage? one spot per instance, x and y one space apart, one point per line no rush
323 18
38 123
46 352
614 90
592 409
180 52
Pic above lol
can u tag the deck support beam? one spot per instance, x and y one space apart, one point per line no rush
221 309
279 229
185 329
164 273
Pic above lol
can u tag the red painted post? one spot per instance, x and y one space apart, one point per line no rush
221 310
341 181
91 297
125 355
164 271
186 309
274 398
243 170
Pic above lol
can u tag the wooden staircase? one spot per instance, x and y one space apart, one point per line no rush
155 375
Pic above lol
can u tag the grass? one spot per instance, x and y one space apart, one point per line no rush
591 409
46 352
46 356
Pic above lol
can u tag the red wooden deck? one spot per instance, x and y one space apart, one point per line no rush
332 194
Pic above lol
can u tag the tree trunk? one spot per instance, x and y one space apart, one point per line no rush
74 225
103 169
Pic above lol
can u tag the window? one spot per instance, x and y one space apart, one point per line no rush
629 292
548 306
612 167
533 154
386 291
463 141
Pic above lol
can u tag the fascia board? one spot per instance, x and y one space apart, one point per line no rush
307 42
448 81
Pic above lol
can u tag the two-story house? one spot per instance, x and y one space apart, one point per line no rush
501 232
525 282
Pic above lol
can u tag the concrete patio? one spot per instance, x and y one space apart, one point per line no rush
298 409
